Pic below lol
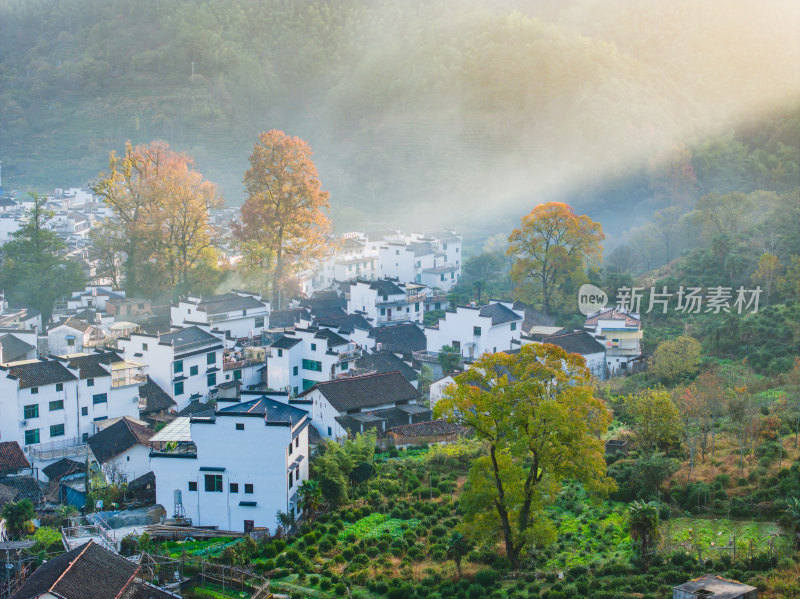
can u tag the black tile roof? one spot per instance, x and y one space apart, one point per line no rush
499 313
286 342
345 324
195 408
324 306
229 302
577 342
12 458
534 317
155 397
332 338
14 348
422 248
86 572
188 338
74 323
142 481
27 487
428 428
386 361
61 468
385 287
382 420
91 366
39 373
120 436
365 391
272 410
286 319
405 338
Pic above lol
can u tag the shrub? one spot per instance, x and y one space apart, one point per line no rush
486 578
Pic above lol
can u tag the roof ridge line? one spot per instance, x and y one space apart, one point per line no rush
71 563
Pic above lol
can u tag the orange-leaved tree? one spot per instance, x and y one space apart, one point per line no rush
541 423
551 243
160 219
283 221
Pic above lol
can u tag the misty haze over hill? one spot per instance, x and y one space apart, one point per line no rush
442 113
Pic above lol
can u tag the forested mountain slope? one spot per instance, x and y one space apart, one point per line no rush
452 111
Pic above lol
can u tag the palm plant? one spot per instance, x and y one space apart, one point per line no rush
643 523
310 495
17 515
793 517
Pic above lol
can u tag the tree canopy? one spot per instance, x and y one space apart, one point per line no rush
552 243
34 271
540 422
160 226
283 220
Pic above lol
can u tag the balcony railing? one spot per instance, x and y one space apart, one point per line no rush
351 354
126 378
235 365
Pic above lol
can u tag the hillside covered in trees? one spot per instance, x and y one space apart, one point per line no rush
413 108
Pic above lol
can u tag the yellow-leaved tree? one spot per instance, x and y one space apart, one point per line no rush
552 243
540 422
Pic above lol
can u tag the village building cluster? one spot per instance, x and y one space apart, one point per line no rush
219 375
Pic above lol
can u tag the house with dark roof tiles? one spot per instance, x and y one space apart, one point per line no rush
238 465
186 363
355 397
12 459
475 330
89 572
122 450
237 313
304 357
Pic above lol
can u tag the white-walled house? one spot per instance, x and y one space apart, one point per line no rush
434 261
39 403
108 387
385 400
186 363
122 450
49 403
16 346
248 463
304 357
474 331
583 344
437 389
73 336
386 301
621 334
238 313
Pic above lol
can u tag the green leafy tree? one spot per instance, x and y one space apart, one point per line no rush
536 414
643 523
449 359
457 548
676 359
655 418
33 270
17 516
792 516
480 273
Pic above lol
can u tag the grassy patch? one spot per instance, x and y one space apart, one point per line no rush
376 525
715 536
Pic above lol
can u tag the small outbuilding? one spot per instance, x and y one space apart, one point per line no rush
714 587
